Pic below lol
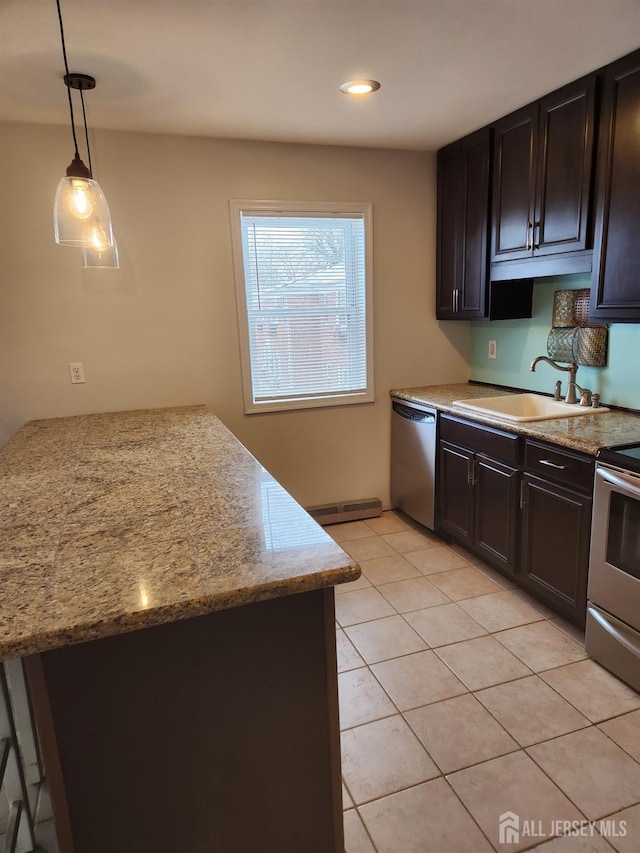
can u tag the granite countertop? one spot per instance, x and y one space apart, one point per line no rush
115 522
586 433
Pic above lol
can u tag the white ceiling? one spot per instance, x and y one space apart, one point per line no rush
270 69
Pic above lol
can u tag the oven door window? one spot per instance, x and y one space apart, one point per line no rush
623 540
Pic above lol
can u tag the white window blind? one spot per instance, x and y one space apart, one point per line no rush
285 523
303 287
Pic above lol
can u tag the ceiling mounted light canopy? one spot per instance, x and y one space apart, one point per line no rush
80 212
359 87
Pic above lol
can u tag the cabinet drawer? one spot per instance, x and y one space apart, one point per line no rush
504 446
563 466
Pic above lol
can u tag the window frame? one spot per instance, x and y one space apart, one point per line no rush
301 208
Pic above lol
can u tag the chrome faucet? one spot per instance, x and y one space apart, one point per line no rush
571 369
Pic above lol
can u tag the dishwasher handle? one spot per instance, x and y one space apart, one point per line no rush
417 415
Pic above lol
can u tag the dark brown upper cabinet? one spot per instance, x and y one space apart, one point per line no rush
615 289
463 219
514 182
542 184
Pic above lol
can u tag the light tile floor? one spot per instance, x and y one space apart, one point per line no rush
462 698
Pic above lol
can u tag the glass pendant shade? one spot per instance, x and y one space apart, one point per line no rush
80 211
105 259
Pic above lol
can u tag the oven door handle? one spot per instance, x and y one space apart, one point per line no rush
614 631
630 486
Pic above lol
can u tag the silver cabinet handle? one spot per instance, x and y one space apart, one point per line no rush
522 501
470 472
536 240
456 300
529 243
551 464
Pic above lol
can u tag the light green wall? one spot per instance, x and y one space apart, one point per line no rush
520 341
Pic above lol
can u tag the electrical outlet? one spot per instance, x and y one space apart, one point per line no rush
493 349
76 371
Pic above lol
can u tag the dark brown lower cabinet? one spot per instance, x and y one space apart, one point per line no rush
496 511
557 491
455 492
479 493
556 525
479 503
530 517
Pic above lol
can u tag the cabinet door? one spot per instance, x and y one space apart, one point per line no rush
449 243
565 169
556 524
496 501
615 285
514 182
463 214
476 154
456 491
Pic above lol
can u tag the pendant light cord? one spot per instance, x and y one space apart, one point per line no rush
86 132
66 68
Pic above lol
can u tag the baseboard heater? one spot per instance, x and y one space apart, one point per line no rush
346 511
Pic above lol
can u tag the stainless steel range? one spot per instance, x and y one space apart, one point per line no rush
613 610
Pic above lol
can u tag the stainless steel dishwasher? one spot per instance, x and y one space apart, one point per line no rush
413 460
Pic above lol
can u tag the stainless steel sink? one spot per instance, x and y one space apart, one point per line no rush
520 408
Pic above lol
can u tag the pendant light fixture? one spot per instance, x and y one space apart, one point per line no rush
80 212
98 256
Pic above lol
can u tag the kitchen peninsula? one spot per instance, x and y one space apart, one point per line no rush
174 607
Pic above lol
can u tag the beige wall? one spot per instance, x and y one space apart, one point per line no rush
162 331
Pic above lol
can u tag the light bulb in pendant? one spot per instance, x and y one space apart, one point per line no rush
99 239
101 256
81 207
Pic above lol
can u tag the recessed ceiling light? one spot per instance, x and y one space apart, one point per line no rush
359 87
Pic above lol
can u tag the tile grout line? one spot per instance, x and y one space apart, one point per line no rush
395 713
553 782
366 828
615 743
519 748
591 722
456 795
536 743
486 687
584 729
